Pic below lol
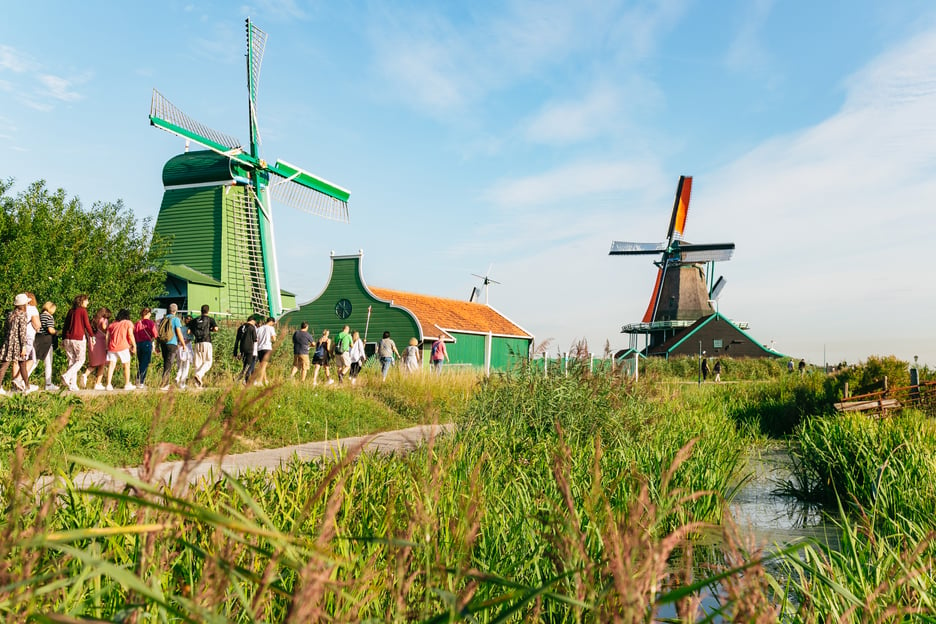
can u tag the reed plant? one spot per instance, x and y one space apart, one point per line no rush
884 468
563 500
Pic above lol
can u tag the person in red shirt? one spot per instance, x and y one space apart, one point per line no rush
120 346
77 335
144 332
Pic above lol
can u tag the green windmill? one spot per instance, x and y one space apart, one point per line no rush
216 208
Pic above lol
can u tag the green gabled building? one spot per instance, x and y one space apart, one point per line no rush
476 335
209 218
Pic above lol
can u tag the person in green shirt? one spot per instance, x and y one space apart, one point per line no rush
343 351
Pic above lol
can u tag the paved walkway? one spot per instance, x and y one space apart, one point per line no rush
268 459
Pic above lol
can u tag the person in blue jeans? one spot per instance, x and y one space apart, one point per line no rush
386 349
144 332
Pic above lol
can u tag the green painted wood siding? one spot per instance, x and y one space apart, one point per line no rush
346 283
505 352
191 218
196 168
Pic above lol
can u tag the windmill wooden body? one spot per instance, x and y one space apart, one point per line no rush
216 210
682 293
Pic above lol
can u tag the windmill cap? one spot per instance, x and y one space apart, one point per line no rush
21 299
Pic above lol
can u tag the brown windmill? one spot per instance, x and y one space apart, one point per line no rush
681 294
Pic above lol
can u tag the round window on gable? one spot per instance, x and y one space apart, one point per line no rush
343 309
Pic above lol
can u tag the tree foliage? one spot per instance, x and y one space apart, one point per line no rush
868 376
53 247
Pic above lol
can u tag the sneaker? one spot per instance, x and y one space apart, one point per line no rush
129 386
100 387
30 389
331 381
84 380
109 387
166 387
353 380
18 384
181 386
2 392
51 387
73 387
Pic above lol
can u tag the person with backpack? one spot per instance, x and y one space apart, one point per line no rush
438 355
201 329
170 337
343 351
320 358
245 346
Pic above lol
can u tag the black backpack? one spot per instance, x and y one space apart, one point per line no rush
201 328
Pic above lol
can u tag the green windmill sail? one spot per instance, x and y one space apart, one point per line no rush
216 208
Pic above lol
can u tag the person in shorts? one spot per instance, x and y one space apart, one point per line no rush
266 336
302 340
343 351
320 358
120 345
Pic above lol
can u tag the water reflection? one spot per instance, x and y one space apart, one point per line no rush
771 516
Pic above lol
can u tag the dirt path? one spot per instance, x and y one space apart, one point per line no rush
267 459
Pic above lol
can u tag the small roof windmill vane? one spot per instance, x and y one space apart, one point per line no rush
281 180
486 282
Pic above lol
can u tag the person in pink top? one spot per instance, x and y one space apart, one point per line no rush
120 345
144 332
97 359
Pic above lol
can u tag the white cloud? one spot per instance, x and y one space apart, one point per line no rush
15 61
441 69
58 88
746 50
604 110
833 223
573 183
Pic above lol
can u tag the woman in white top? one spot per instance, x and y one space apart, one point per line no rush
33 324
411 356
266 336
357 356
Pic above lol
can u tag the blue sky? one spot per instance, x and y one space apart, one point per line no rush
529 135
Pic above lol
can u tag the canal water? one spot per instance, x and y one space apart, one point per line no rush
772 517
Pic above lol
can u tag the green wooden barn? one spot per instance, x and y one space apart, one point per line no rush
476 335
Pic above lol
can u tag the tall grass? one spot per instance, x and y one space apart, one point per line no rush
882 467
561 499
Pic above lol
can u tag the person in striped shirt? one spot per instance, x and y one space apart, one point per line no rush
45 341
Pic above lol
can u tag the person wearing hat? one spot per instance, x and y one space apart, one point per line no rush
411 356
15 347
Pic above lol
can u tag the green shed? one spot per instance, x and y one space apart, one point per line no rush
476 335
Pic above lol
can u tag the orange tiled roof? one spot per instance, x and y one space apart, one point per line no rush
451 314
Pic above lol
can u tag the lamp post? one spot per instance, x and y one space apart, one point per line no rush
700 363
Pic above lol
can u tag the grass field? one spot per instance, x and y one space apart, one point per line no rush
573 498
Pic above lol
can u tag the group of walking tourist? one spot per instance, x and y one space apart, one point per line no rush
95 344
